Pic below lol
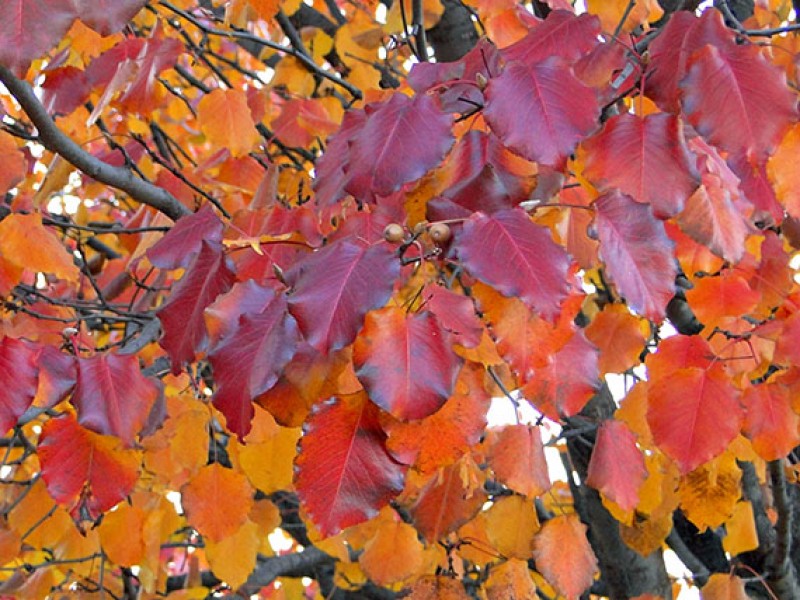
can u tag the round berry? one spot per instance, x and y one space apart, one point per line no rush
440 232
393 233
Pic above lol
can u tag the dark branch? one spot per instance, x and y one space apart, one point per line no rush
52 138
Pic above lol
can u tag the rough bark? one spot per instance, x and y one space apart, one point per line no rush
455 34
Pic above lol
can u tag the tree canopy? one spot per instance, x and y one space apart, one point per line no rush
266 265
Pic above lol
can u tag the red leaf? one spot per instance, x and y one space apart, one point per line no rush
57 375
561 34
331 179
181 243
244 298
679 352
758 104
112 396
670 51
456 313
517 257
29 28
143 94
250 360
405 362
108 16
86 472
694 414
756 187
645 158
637 253
540 111
18 378
335 287
770 422
65 89
344 474
395 129
570 378
617 466
181 315
516 456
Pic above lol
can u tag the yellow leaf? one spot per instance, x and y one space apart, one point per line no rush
233 558
225 119
268 457
709 494
25 242
121 535
393 555
217 501
647 535
612 11
511 524
740 530
511 579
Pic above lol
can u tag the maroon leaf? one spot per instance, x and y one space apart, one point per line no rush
758 104
637 253
112 396
331 179
182 315
405 362
344 474
561 34
58 373
29 28
86 472
517 257
181 243
335 287
18 378
482 174
108 16
244 298
157 55
64 90
645 158
250 360
456 313
103 68
670 51
540 111
415 129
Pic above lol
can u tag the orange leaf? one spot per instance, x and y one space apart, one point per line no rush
393 555
516 455
563 555
783 174
619 336
714 298
511 579
268 455
442 438
12 163
217 501
694 414
770 423
226 121
722 586
511 523
121 535
740 530
435 587
25 242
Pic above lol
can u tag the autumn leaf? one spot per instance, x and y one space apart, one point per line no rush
393 555
344 473
233 557
516 455
217 501
225 119
616 467
29 28
86 472
19 374
619 336
13 169
511 579
563 555
185 240
770 422
562 34
425 367
722 586
25 242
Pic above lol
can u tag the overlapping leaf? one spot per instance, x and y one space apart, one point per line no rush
181 316
617 465
344 473
637 253
517 257
397 127
180 245
25 242
112 396
563 555
29 28
540 111
516 455
335 287
770 422
759 106
226 121
405 362
561 34
646 159
107 16
19 373
86 472
217 501
250 359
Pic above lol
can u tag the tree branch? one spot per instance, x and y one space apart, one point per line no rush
55 140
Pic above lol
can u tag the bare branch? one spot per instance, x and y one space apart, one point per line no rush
55 140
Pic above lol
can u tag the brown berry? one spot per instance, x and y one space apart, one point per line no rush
393 233
439 232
